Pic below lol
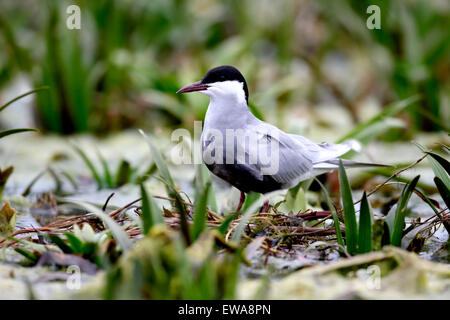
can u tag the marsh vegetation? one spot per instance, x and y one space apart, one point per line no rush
88 200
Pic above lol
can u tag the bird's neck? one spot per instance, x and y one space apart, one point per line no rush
227 114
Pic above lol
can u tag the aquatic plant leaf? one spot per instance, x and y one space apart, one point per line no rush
202 177
151 214
70 178
75 243
159 161
90 165
337 225
123 173
389 111
144 176
441 168
27 254
223 228
86 233
3 107
106 172
60 243
351 232
400 213
295 199
443 190
27 190
182 211
117 232
365 226
445 194
443 162
250 199
200 212
88 250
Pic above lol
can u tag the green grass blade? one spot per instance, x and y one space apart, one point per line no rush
365 226
14 131
70 179
182 211
445 148
116 230
443 162
88 250
223 228
90 165
31 184
158 159
389 111
151 215
123 175
147 216
250 198
441 168
200 212
3 107
295 199
202 177
337 225
231 274
75 243
106 172
351 232
400 213
27 254
427 200
146 175
445 194
443 190
56 178
60 243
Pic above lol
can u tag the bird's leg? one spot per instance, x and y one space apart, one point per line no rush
266 206
241 202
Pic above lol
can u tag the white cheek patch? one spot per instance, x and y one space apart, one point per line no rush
228 88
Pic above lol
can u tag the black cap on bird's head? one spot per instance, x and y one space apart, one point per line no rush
216 75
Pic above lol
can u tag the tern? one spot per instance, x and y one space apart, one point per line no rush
250 154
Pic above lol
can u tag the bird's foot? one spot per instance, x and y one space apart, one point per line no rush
265 207
241 202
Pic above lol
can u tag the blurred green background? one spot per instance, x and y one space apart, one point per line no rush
121 70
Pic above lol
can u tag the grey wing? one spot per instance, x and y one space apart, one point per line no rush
287 160
295 157
327 151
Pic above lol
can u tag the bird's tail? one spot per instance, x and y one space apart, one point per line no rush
334 164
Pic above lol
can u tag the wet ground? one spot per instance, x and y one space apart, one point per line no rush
31 154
